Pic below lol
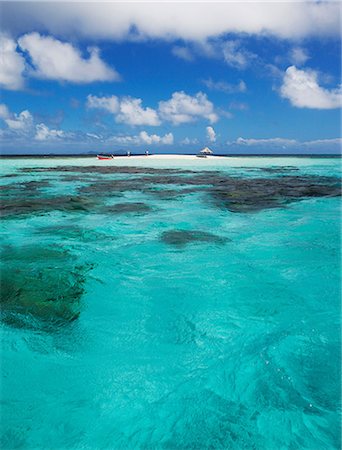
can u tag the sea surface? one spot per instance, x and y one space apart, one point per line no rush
171 303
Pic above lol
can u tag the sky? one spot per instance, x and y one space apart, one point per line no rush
239 77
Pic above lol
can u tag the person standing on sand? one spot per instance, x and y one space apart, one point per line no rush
146 153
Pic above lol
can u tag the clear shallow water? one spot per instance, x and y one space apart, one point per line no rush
225 341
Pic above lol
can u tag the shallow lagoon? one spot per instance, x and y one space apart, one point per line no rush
171 303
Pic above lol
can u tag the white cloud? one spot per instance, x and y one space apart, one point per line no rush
323 143
188 141
177 20
235 56
299 56
22 125
56 60
302 89
4 112
182 108
132 113
211 135
183 53
125 140
155 139
12 65
93 136
269 141
126 110
292 145
43 133
144 138
22 122
227 88
110 104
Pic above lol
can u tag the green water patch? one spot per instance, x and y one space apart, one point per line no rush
41 287
72 232
112 187
181 238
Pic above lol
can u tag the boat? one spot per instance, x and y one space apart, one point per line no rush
204 152
104 156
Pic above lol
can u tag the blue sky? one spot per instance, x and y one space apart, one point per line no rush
170 77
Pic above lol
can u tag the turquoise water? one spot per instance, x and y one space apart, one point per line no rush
193 306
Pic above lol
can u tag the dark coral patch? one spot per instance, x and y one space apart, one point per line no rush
281 169
181 238
11 175
255 194
23 206
226 191
106 170
128 207
40 287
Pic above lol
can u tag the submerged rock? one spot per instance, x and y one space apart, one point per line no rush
41 287
180 238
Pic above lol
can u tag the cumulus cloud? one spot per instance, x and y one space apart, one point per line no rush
298 56
12 65
301 88
132 113
211 135
44 133
23 125
183 108
143 138
16 123
236 56
180 108
126 110
227 88
155 139
110 104
56 60
21 122
125 20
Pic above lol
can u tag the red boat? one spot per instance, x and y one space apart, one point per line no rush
104 157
